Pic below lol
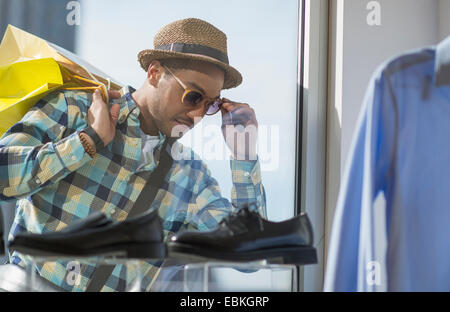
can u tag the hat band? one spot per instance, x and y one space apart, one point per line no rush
195 49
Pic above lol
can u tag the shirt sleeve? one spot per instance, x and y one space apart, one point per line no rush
40 149
210 206
247 186
367 172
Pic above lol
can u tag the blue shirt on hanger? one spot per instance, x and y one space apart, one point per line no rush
401 148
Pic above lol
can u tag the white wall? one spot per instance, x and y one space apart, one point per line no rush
405 25
444 20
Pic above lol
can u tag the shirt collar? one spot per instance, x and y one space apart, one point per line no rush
128 105
442 63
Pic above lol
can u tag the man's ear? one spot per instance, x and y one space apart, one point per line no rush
154 73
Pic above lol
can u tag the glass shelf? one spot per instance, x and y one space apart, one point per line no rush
180 277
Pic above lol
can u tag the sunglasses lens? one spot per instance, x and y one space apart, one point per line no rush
213 107
192 98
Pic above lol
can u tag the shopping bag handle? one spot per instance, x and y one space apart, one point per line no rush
99 85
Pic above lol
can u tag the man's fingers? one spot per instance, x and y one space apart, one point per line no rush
97 95
113 94
114 113
238 114
228 105
97 98
223 110
231 106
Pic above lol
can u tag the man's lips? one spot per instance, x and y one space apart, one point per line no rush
185 122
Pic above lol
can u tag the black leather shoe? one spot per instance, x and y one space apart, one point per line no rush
97 235
246 236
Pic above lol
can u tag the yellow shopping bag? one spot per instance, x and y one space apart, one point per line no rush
18 45
22 85
31 67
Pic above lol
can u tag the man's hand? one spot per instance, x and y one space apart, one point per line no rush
100 119
239 129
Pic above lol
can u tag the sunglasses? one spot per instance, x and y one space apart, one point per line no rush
193 98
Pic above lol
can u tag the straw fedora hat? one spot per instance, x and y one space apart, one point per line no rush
194 39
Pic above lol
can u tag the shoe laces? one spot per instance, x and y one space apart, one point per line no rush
242 214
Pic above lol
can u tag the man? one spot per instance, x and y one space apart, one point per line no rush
59 174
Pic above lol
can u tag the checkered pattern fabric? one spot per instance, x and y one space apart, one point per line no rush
44 167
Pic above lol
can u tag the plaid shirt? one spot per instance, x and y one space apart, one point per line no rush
44 166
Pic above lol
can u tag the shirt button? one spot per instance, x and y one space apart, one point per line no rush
246 174
38 181
113 211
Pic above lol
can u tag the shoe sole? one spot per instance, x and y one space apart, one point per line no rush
126 251
283 255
